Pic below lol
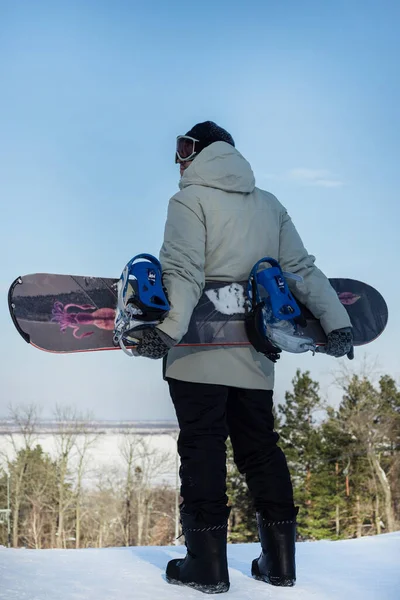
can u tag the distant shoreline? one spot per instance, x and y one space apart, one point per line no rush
50 426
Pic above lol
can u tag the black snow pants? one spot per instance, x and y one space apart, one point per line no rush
207 415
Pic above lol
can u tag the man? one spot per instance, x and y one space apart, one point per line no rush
218 226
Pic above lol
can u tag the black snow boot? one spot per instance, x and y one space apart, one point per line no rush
205 567
276 564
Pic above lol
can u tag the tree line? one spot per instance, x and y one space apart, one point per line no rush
344 462
53 502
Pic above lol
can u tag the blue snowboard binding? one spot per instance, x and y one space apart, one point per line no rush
274 320
142 301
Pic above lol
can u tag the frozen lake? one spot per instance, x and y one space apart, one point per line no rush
106 451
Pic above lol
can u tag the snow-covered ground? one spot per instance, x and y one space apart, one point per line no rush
364 569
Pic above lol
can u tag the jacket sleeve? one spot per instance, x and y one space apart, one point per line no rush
315 291
182 258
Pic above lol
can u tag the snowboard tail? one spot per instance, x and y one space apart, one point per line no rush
11 307
66 313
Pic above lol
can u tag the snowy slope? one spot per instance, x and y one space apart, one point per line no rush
364 569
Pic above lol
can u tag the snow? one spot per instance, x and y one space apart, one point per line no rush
362 569
228 300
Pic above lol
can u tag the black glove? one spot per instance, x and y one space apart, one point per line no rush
340 343
154 344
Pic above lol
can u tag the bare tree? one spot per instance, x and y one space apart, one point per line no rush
22 439
128 453
86 439
151 465
101 523
144 465
65 442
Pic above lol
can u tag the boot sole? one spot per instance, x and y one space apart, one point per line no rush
217 588
277 581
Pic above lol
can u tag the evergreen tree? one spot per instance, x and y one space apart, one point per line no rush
37 495
301 440
390 396
3 506
242 520
366 414
365 430
343 456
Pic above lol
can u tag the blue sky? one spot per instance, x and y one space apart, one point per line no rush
93 95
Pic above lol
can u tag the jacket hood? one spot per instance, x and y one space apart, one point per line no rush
222 167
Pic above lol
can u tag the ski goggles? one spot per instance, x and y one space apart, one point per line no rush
185 148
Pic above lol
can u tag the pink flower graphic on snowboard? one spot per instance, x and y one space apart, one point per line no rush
102 318
348 298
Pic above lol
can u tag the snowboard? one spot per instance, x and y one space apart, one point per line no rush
67 313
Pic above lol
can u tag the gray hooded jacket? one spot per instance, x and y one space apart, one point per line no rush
218 226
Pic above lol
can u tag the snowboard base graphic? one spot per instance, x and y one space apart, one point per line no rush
66 313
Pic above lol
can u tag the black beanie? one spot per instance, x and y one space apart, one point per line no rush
207 133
